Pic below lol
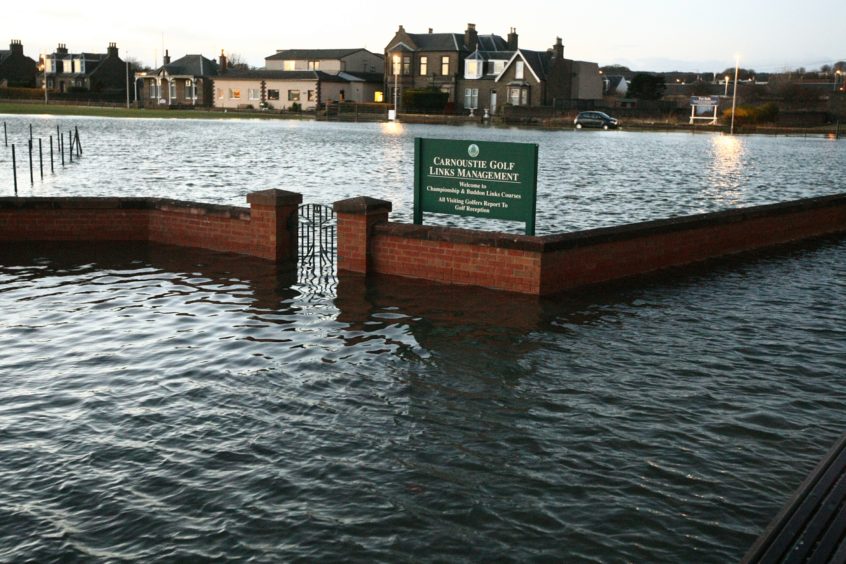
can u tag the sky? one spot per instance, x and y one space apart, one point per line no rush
649 35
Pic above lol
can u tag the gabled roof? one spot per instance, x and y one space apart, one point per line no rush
538 63
190 65
300 54
450 42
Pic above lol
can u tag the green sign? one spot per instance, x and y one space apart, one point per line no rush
477 179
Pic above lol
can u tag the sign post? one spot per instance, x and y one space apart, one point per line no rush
700 105
485 179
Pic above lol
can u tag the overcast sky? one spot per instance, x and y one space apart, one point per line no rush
659 35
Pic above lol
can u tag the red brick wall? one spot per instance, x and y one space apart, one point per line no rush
457 263
267 230
545 265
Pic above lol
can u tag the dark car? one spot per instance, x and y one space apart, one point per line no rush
595 119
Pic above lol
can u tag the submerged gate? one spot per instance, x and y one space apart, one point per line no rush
317 247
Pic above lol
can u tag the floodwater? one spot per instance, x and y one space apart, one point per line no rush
585 178
174 404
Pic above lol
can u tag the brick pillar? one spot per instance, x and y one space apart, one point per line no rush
356 217
273 214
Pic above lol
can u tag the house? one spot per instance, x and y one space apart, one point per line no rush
527 78
433 60
187 81
92 72
330 61
303 89
16 69
487 71
615 85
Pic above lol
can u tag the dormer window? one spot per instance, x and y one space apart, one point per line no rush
473 68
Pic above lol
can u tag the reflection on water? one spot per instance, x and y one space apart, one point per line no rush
172 404
725 173
585 179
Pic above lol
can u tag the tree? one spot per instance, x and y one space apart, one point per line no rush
645 86
236 61
742 74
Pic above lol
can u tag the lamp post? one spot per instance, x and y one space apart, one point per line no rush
727 86
395 60
127 80
836 74
734 95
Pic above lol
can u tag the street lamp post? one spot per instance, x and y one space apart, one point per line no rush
734 95
836 74
727 86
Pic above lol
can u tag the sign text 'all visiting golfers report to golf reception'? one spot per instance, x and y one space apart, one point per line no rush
476 178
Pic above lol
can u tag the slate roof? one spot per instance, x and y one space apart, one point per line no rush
540 61
190 65
4 53
280 75
300 54
454 42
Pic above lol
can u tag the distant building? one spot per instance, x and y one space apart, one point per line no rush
280 90
487 71
93 72
615 85
187 81
330 61
16 69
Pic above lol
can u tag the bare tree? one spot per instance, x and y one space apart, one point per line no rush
236 61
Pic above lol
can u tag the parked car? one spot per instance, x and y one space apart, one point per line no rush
595 119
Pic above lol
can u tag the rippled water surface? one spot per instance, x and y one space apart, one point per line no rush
170 404
585 179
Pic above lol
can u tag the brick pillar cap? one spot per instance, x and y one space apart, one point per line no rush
362 205
274 198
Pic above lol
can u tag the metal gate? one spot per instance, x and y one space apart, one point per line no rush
317 246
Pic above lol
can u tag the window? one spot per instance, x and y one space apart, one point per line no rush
395 65
514 96
220 93
254 94
471 98
379 96
272 94
518 70
424 66
235 93
406 65
293 95
314 65
473 68
172 90
444 66
154 90
189 89
310 96
496 67
289 65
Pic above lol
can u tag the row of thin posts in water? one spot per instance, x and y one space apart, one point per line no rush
74 145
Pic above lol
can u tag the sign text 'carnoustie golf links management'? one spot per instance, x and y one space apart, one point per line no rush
476 178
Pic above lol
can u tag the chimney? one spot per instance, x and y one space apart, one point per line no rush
16 47
62 49
512 39
430 31
113 50
401 29
558 49
222 62
166 58
471 38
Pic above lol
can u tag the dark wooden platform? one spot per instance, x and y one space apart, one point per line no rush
812 526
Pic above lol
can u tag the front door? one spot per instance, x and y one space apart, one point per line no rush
493 102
